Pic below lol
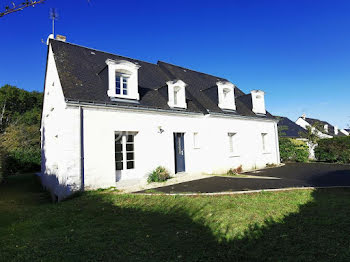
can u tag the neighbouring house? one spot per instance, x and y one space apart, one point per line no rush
288 128
326 130
109 120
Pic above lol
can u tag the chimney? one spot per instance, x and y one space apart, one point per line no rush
61 38
258 102
336 130
303 116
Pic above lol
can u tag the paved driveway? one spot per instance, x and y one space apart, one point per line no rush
290 175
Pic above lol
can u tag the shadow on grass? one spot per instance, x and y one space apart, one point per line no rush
105 227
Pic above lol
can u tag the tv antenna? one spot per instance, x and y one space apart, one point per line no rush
53 17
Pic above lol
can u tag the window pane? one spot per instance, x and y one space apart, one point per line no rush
130 138
129 147
175 97
118 137
231 142
118 147
117 84
130 156
119 165
130 164
119 156
195 140
125 86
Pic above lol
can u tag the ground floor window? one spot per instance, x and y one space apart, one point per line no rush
264 141
232 148
124 150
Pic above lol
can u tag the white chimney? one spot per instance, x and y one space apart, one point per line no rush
303 116
258 101
336 131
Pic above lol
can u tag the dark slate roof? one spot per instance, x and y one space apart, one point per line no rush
312 121
83 75
288 128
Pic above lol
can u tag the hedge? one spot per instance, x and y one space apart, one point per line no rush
292 150
334 150
24 160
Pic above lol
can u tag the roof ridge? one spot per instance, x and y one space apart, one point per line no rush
185 68
109 53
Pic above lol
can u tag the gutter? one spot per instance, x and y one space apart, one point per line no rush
113 106
277 144
181 112
81 148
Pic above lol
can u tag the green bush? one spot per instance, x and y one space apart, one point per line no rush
333 150
160 174
292 150
20 160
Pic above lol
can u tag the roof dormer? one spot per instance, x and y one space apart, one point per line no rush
176 94
122 79
226 95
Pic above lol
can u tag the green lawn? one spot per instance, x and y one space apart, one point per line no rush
300 225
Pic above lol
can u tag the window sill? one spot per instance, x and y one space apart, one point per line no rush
116 96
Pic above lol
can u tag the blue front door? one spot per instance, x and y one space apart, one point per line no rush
179 152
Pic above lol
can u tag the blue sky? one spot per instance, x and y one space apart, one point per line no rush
298 52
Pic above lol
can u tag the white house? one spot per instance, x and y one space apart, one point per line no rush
109 119
325 129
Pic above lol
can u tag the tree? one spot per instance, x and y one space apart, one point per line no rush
20 117
312 133
11 8
19 106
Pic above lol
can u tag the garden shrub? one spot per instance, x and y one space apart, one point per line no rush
333 150
20 160
292 150
235 171
160 174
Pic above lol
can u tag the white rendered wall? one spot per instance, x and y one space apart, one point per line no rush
59 138
153 148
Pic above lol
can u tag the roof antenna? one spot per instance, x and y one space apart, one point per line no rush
53 17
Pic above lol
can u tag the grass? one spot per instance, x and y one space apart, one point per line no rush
302 225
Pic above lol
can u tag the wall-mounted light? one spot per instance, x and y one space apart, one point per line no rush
160 130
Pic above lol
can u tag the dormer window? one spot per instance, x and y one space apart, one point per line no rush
177 94
122 79
226 95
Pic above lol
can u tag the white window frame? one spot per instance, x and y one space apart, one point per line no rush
124 151
196 140
232 144
122 77
265 143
